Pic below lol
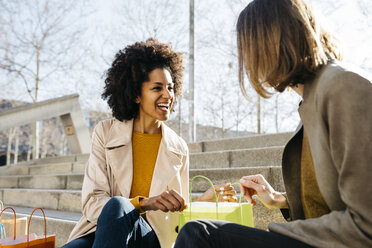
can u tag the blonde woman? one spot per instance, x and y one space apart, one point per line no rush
326 166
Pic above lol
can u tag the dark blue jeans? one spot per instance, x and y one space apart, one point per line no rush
119 225
214 233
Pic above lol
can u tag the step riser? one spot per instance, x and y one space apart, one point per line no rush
240 143
13 170
239 158
218 176
43 182
272 174
80 158
63 201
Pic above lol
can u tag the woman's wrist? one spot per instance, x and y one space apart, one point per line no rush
143 204
281 200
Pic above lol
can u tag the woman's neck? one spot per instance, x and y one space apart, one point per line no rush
142 125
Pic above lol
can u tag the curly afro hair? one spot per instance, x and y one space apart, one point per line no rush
131 68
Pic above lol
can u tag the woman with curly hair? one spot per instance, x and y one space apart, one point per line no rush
136 178
327 164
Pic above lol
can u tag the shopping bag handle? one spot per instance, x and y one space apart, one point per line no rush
28 227
15 221
214 191
210 182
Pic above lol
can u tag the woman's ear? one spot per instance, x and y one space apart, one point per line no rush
138 99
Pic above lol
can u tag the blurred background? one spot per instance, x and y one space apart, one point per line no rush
52 48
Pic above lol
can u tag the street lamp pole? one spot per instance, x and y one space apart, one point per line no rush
192 122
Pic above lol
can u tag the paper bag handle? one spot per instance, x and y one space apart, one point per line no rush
15 219
28 227
210 182
214 191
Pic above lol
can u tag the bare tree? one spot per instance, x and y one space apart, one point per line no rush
165 20
40 41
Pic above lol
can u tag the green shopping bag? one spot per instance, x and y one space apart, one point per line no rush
239 213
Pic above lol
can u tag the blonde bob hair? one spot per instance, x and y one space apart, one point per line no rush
281 44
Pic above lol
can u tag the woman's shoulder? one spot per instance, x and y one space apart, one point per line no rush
104 125
340 80
175 140
339 74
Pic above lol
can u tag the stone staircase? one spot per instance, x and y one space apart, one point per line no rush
55 183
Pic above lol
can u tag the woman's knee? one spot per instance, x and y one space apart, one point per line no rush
119 203
192 226
115 208
193 232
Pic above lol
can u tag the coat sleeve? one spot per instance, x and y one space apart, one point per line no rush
96 186
347 112
185 176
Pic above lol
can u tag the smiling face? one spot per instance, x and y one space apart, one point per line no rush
157 96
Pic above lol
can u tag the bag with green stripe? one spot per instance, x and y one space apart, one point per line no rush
236 212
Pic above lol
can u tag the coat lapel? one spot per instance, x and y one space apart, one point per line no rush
291 170
119 154
168 162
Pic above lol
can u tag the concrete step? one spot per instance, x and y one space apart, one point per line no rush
67 181
66 194
269 156
272 174
54 199
81 158
254 141
43 169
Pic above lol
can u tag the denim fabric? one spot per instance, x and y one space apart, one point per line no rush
213 233
119 225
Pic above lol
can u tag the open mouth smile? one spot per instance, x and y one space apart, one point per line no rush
163 107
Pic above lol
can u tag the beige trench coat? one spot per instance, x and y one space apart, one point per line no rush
337 115
109 172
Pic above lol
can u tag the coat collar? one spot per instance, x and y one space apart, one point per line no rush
118 146
309 94
120 134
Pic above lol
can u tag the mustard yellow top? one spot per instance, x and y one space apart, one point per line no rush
145 151
312 200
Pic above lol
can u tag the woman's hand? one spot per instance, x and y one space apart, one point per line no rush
257 185
167 201
226 193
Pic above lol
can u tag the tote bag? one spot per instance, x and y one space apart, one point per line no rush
29 240
239 213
